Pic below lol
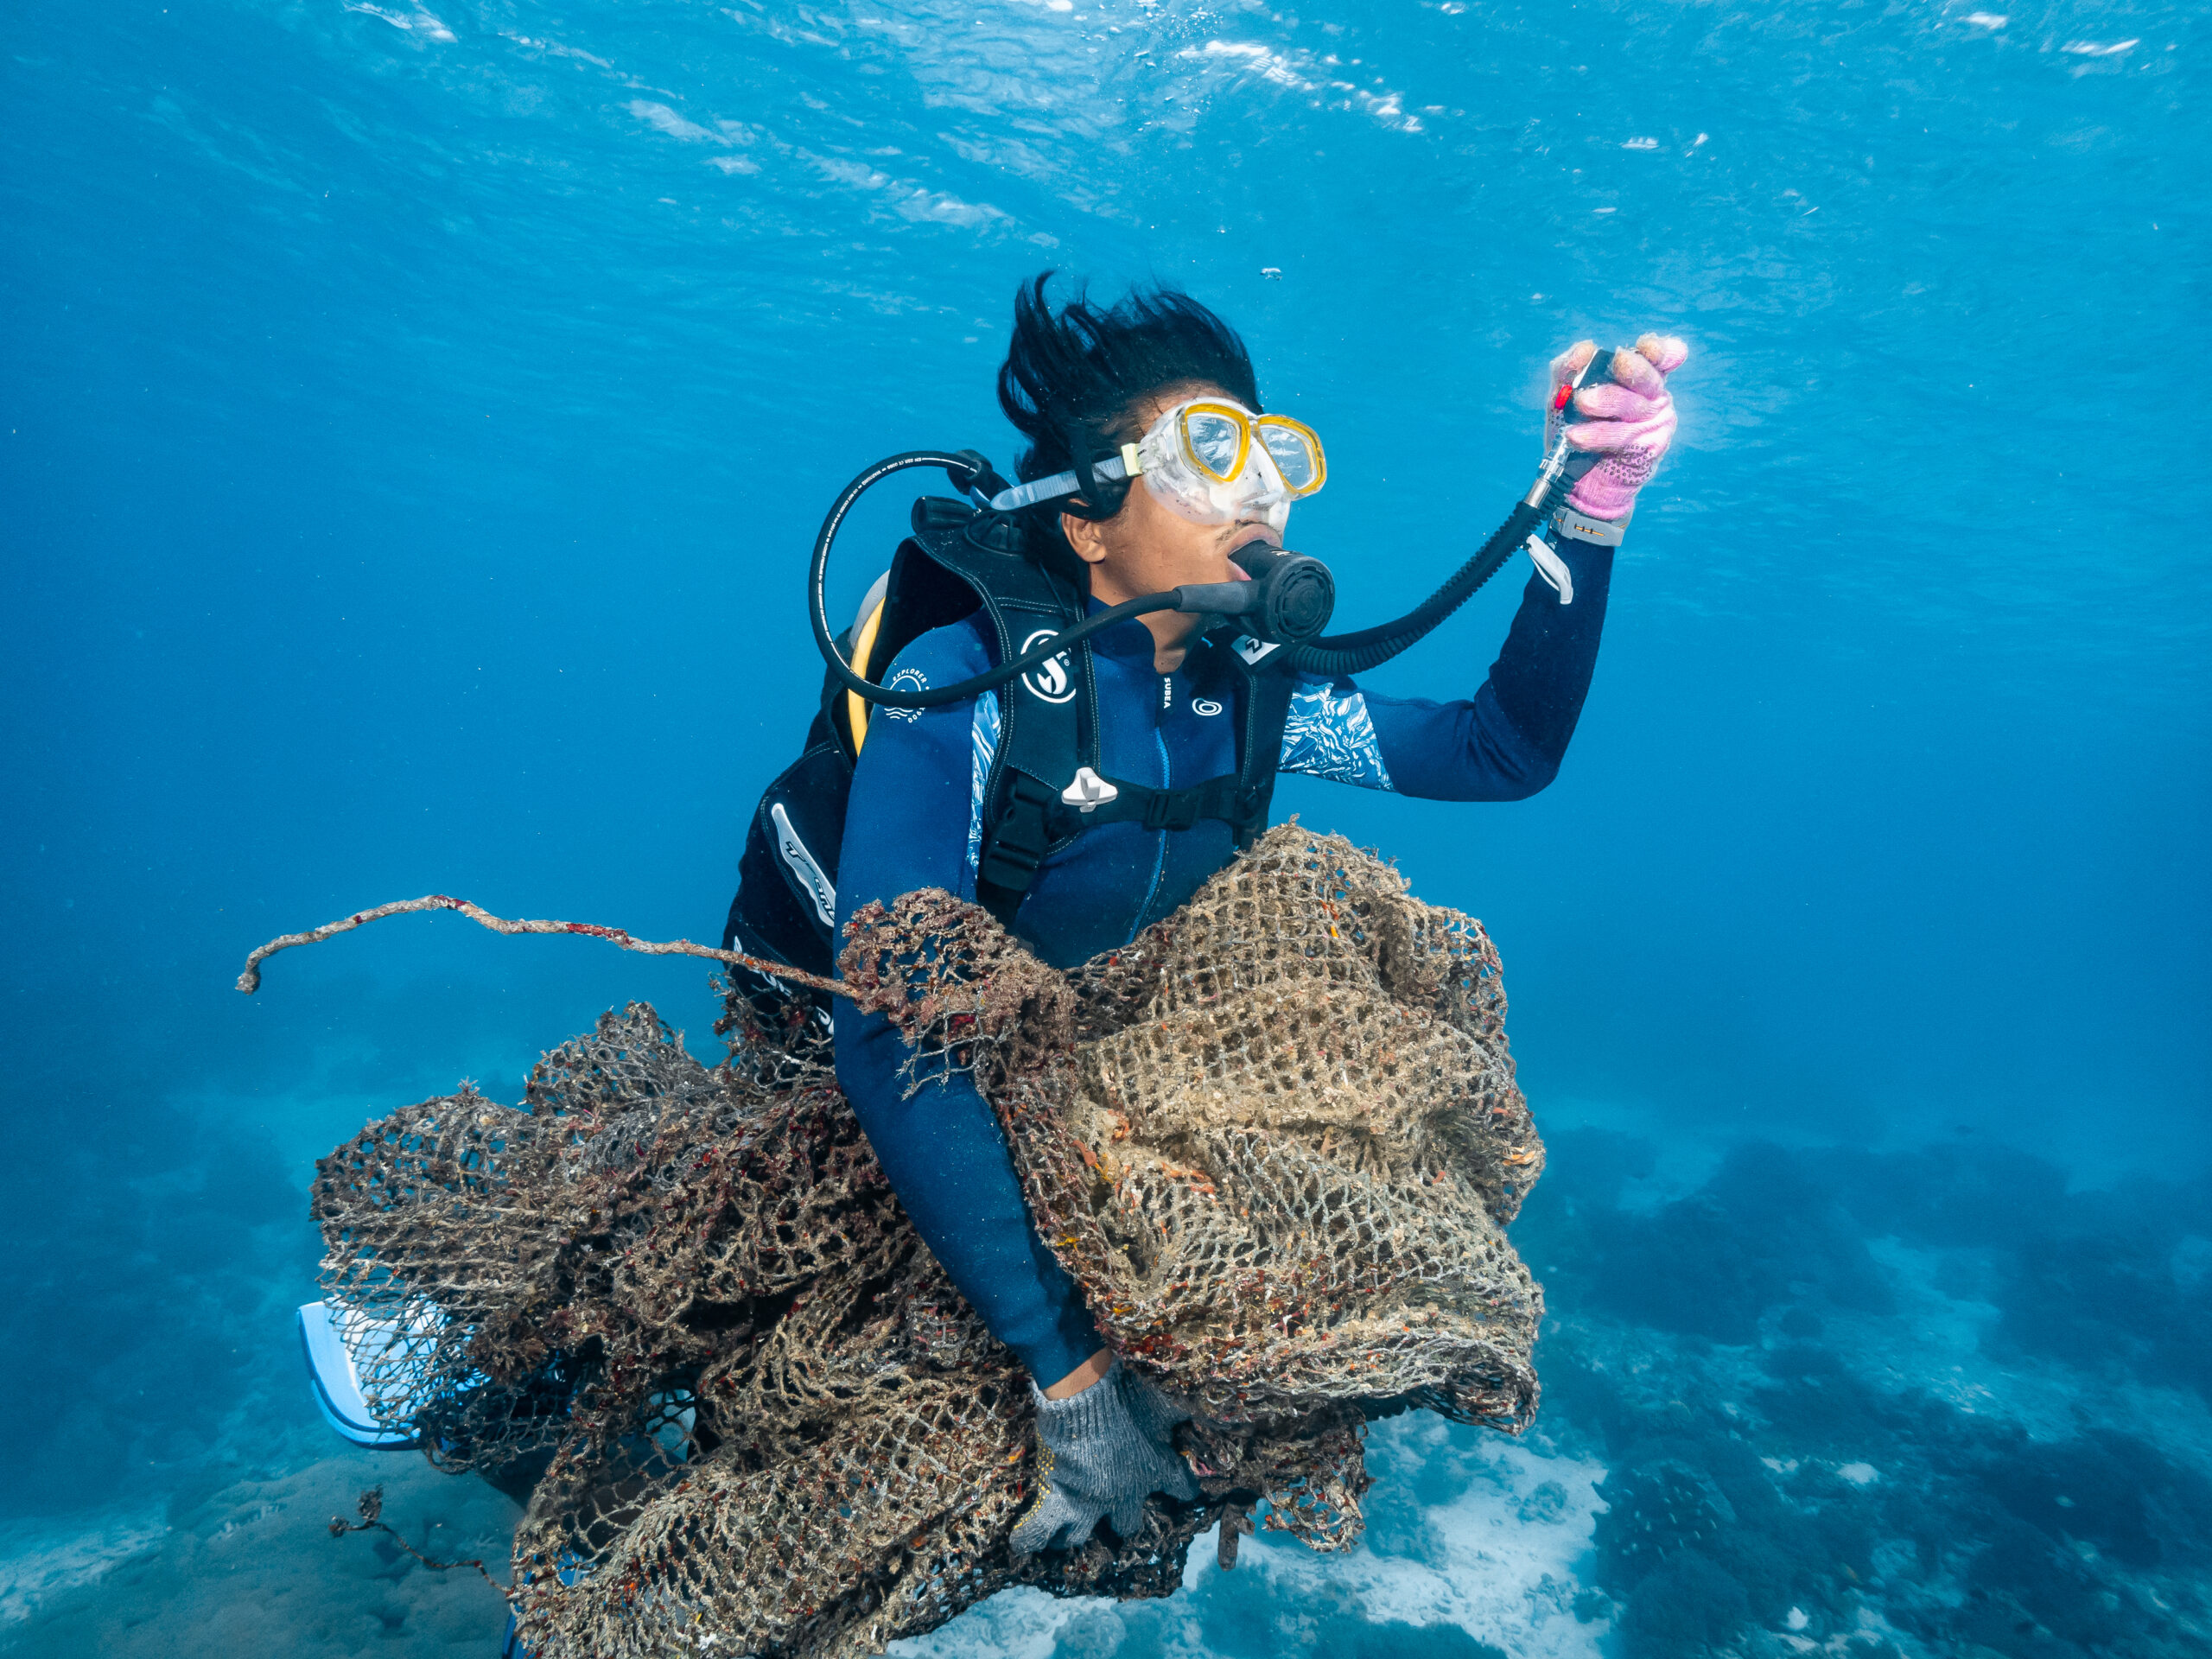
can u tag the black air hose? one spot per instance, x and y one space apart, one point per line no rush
1355 653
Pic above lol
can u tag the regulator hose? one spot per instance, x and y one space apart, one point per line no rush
1355 653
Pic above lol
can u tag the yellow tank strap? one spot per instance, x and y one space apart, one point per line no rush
856 705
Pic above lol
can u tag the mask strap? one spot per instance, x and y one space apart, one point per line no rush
1101 496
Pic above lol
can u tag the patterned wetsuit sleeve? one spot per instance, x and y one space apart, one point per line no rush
1503 744
907 827
1329 734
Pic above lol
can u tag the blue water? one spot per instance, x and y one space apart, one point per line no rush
414 425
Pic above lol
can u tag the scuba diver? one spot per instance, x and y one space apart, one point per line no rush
1086 795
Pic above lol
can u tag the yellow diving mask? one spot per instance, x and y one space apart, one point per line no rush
1210 460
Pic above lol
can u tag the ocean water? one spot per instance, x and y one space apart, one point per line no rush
415 420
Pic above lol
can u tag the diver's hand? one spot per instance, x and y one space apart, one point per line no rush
1155 1413
1093 1461
1631 422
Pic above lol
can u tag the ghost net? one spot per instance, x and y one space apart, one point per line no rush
1276 1139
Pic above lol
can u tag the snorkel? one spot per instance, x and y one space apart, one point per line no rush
1285 603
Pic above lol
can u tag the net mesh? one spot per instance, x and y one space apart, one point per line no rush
1276 1139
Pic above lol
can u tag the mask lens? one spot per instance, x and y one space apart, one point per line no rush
1296 452
1215 441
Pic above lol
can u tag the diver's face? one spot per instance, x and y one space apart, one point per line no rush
1147 548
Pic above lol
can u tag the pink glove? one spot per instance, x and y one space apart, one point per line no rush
1633 424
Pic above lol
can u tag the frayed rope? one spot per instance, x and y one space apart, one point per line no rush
250 981
370 1505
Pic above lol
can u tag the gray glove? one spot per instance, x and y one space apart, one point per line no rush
1155 1413
1093 1460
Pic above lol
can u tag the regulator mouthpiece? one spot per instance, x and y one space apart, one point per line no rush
1288 600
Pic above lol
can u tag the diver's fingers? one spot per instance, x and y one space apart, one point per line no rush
1609 437
1572 361
1038 1531
1618 402
1638 374
1665 353
1606 437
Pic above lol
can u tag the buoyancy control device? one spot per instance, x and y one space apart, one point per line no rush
1045 788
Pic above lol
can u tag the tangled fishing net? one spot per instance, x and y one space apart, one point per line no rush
1276 1139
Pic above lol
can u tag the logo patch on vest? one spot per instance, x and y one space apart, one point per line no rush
1252 649
1052 681
906 679
1205 706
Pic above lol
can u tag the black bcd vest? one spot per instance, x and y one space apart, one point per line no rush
1044 772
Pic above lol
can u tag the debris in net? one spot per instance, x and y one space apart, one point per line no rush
1276 1139
1236 1522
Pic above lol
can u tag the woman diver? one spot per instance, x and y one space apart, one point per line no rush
1161 381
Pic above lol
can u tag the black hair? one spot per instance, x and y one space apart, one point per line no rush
1088 368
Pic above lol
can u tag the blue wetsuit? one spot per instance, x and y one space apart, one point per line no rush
915 820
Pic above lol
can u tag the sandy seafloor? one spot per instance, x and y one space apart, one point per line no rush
1797 1401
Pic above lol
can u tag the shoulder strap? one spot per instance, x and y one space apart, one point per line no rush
1049 727
1267 680
1046 752
1048 717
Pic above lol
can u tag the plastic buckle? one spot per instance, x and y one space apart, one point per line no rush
1016 847
1172 809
